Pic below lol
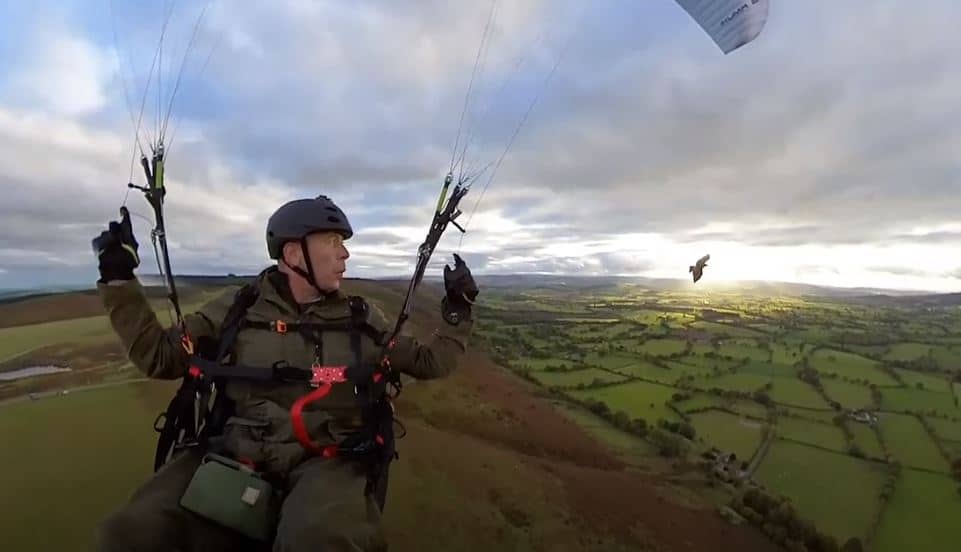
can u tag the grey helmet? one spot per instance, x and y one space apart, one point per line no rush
297 219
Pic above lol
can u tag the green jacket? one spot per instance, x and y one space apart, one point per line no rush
260 429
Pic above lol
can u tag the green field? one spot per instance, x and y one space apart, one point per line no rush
849 365
743 348
850 395
645 370
946 429
907 351
23 339
728 432
910 444
901 399
725 329
948 358
663 347
750 408
609 361
628 447
768 369
923 515
698 365
637 399
953 448
815 433
733 382
90 330
575 377
928 382
102 466
843 503
870 351
538 364
866 439
786 354
792 391
702 400
825 416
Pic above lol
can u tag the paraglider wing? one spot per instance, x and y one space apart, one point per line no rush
731 23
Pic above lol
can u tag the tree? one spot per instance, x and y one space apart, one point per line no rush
687 430
622 420
639 426
853 545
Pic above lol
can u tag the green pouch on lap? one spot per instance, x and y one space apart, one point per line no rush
233 495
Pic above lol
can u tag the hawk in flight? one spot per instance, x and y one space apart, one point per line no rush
698 268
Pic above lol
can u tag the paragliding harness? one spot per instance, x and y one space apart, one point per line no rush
197 414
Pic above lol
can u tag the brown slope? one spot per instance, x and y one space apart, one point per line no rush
492 440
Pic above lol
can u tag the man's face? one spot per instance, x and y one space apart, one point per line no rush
329 258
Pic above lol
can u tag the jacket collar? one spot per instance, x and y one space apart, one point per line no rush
275 289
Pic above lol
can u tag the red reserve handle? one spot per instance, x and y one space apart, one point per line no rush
324 377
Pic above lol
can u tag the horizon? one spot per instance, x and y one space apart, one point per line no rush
703 286
645 146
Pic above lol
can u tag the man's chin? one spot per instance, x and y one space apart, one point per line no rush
332 285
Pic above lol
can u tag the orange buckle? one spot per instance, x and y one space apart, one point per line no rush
279 326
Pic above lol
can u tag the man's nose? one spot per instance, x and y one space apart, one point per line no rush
344 253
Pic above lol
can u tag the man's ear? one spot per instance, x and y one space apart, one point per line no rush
293 255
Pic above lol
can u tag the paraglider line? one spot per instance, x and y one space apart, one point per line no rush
470 84
517 130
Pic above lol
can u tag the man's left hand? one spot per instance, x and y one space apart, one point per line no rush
461 292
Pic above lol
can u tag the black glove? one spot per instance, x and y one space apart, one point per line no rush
461 292
116 248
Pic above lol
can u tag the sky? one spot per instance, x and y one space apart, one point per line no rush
827 151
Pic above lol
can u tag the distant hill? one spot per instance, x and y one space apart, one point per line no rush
671 284
866 296
936 300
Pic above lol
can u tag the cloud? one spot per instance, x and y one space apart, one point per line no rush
66 75
810 154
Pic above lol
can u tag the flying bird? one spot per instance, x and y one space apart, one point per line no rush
697 269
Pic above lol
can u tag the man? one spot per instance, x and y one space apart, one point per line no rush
328 503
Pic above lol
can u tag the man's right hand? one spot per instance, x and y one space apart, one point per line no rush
116 248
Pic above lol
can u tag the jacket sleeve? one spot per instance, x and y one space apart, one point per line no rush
435 359
154 350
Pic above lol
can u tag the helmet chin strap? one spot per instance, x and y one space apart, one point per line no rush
309 273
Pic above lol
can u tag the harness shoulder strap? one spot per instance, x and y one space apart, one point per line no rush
233 320
180 423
